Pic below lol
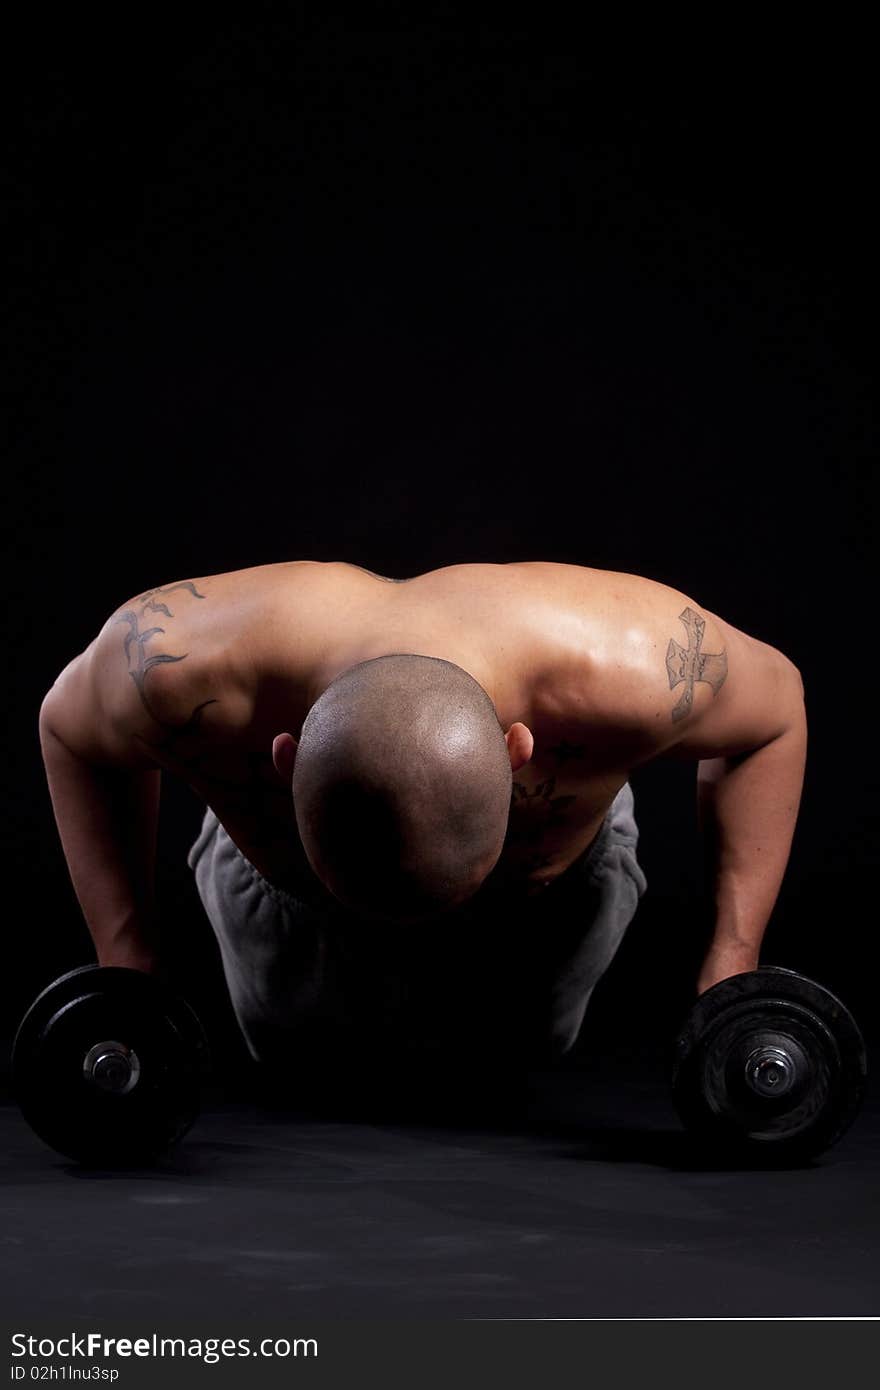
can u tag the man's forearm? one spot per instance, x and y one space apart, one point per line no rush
107 819
748 807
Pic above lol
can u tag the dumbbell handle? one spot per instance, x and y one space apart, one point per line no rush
770 1071
112 1066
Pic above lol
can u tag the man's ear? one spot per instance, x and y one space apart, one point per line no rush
284 748
520 745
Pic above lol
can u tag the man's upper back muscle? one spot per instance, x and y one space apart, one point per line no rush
560 646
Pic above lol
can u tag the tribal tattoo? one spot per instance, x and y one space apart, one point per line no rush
690 664
255 793
141 663
146 598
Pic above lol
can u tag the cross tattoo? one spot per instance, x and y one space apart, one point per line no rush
689 664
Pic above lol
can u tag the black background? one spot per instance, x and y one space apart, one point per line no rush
409 290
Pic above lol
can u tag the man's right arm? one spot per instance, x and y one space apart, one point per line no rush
105 796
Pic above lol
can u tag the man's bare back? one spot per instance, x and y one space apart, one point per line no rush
607 670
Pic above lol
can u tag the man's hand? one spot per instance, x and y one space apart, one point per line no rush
132 959
723 961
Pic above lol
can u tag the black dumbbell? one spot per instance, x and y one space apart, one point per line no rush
107 1066
769 1066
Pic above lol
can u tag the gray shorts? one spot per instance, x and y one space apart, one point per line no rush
495 974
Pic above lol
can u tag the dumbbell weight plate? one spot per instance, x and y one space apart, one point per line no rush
107 1066
769 1064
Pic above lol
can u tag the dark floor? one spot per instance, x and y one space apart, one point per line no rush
579 1198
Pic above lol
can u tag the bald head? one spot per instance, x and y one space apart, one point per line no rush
402 786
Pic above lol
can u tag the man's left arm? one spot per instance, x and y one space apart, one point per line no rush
745 723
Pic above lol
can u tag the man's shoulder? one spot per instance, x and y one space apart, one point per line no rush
641 660
158 666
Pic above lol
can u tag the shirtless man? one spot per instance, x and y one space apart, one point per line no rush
416 790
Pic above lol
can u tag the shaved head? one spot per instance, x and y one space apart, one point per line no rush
402 786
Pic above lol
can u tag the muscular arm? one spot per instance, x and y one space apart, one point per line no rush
685 684
748 731
96 731
107 819
748 807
